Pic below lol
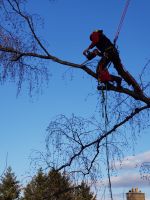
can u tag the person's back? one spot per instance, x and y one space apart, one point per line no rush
100 40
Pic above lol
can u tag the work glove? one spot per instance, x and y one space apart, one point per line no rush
90 55
85 52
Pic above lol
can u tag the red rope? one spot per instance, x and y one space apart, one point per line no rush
121 20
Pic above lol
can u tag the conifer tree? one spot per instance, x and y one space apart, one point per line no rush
59 186
36 189
9 186
84 193
55 186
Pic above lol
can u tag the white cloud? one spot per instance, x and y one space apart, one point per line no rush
130 177
129 180
131 162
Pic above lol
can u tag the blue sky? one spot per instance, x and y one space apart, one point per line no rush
67 25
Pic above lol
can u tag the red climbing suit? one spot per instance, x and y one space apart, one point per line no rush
104 76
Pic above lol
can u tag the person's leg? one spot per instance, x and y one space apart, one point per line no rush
123 73
102 64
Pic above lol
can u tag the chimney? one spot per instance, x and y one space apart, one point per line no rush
135 194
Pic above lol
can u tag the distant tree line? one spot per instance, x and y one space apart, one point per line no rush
43 186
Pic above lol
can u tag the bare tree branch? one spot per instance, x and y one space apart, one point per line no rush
21 47
29 22
82 147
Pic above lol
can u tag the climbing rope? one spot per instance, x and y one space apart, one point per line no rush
121 21
104 100
105 116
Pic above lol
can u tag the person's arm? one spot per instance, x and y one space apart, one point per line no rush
90 47
95 40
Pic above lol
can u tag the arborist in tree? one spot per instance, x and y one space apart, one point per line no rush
109 53
103 74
